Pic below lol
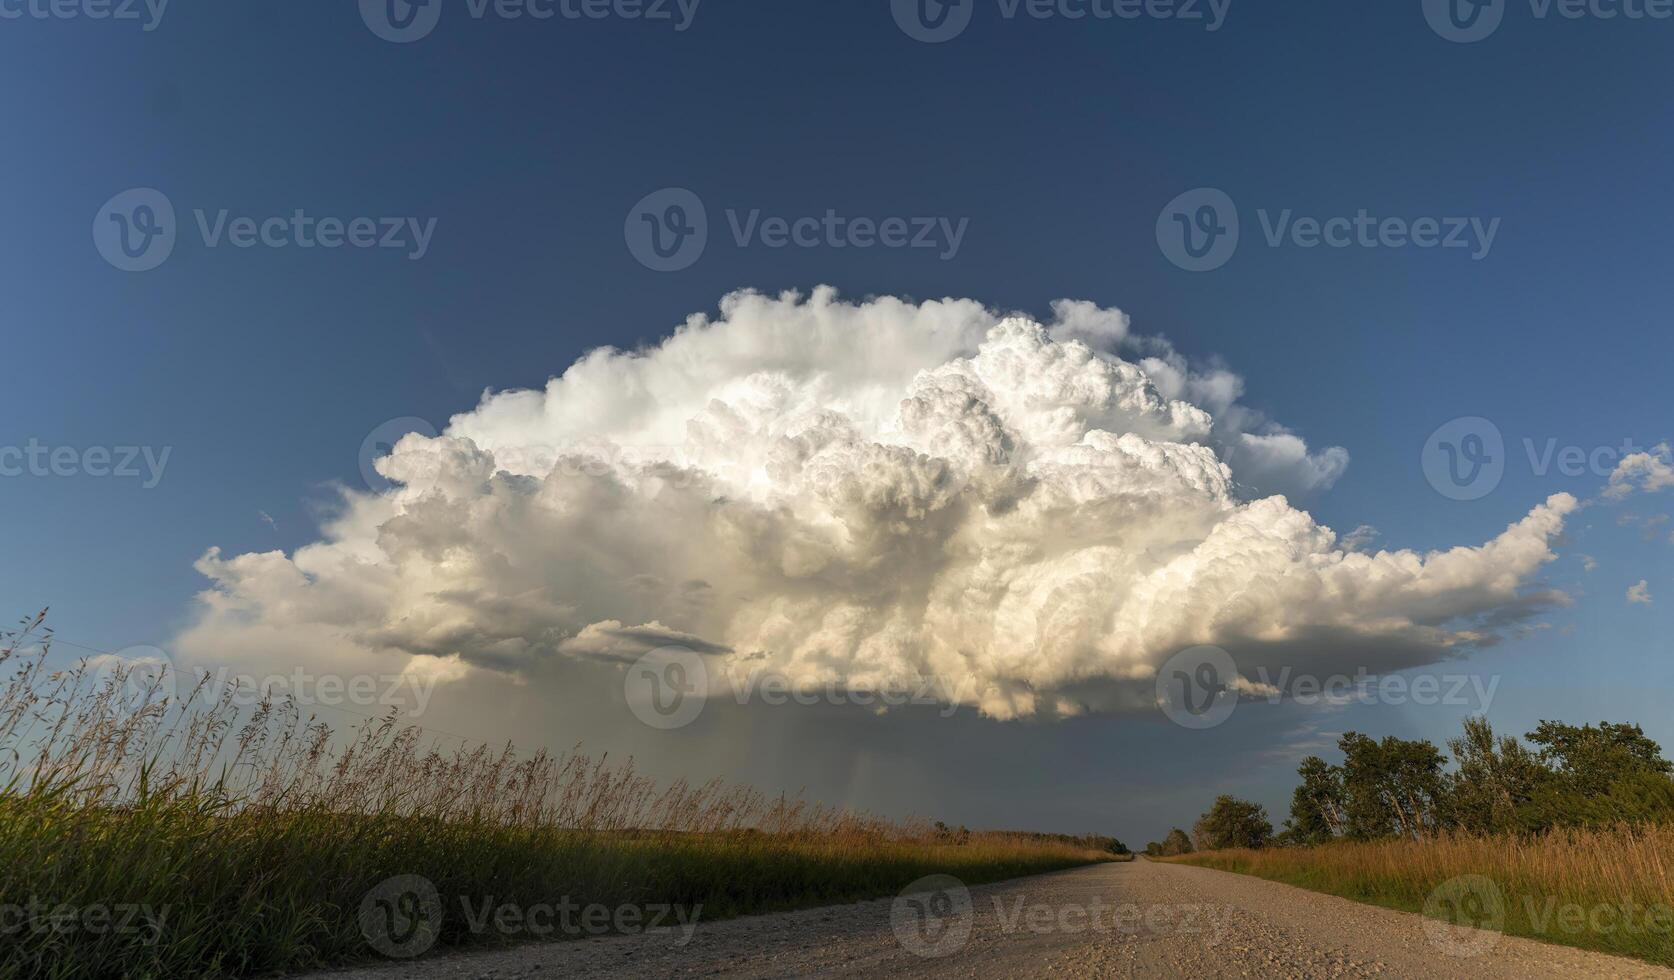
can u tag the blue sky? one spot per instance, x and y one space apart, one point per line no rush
1057 141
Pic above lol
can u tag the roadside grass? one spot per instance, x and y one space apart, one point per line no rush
1607 889
150 832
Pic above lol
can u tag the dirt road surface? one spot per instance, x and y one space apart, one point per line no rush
1139 919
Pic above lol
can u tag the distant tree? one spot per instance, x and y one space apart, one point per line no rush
959 835
1117 847
1231 822
1316 806
1153 849
1175 843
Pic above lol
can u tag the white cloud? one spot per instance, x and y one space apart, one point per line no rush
865 494
1643 472
1640 593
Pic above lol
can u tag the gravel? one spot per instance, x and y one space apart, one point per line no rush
1139 919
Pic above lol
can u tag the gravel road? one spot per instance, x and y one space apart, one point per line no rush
1139 919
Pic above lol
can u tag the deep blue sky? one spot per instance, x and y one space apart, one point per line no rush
1060 140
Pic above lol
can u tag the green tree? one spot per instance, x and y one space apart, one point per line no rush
1391 788
1175 843
1231 822
1316 806
1495 782
1576 775
1589 759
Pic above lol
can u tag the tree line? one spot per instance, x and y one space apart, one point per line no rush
1565 776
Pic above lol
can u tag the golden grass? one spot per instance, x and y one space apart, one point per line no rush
254 837
1603 889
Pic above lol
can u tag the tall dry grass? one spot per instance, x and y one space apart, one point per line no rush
1605 889
249 838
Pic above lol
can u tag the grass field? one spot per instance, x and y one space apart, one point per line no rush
1607 890
146 832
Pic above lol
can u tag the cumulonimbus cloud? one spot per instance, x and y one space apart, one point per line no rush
868 494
